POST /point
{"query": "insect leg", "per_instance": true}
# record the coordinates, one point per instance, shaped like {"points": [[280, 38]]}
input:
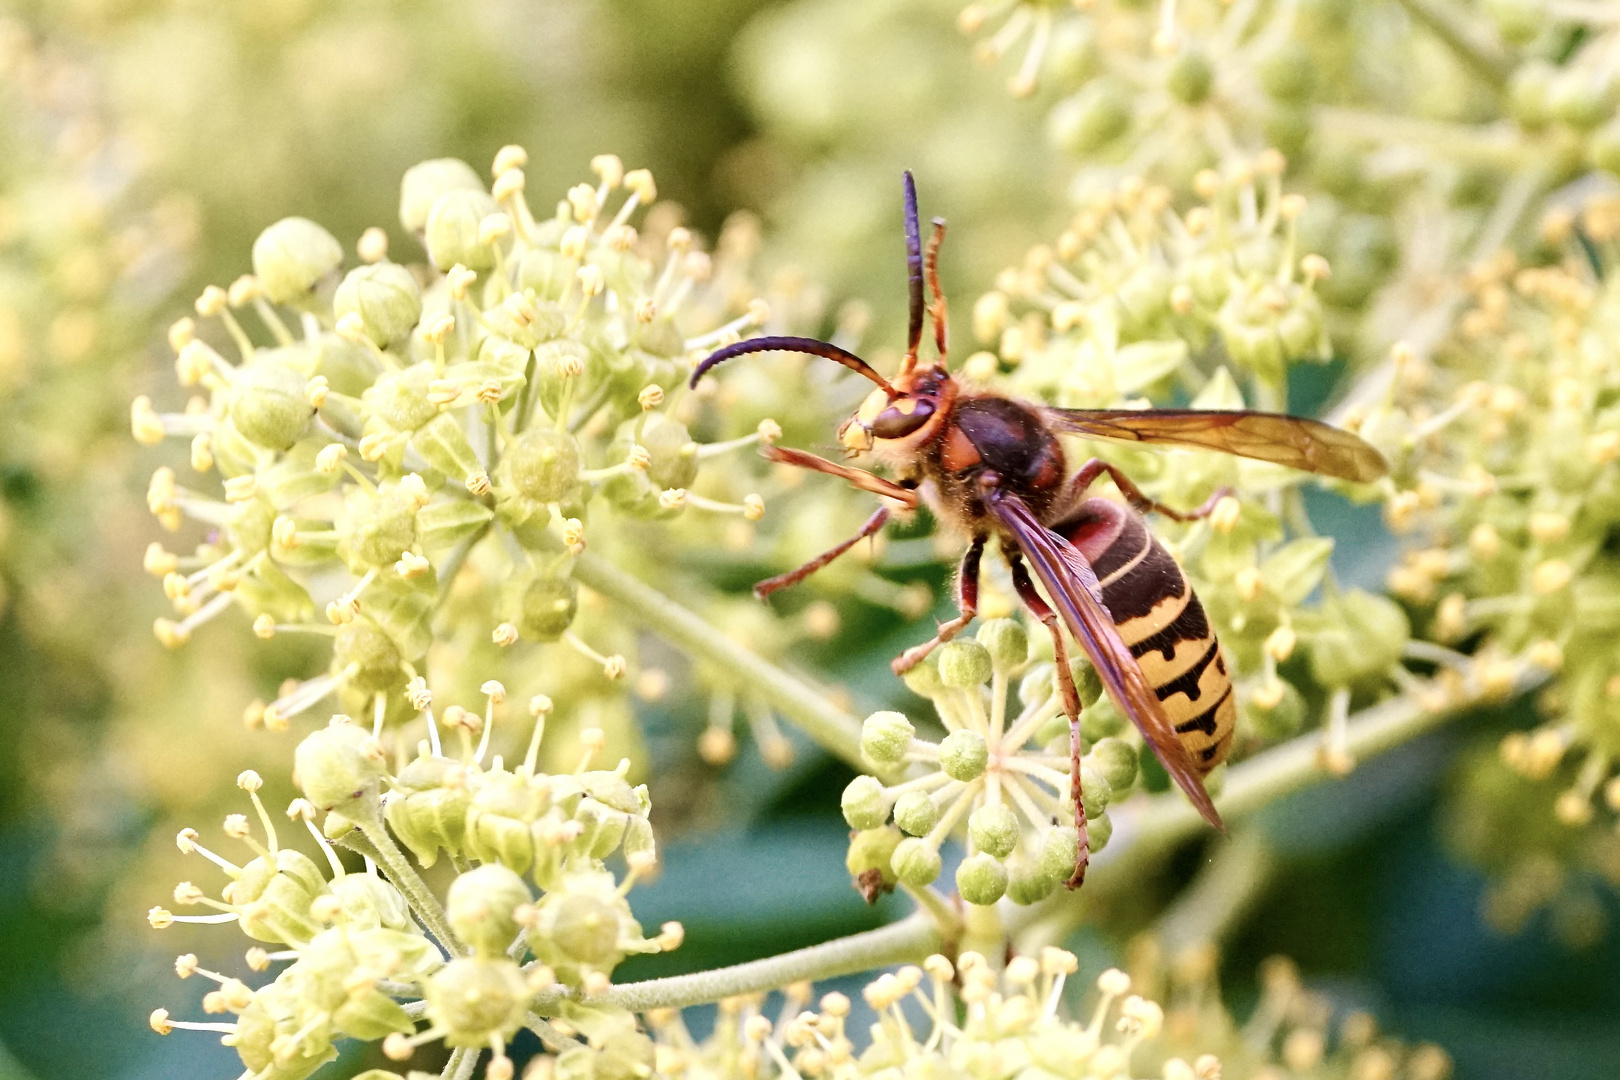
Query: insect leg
{"points": [[857, 477], [1096, 467], [793, 577], [1071, 706], [967, 604], [936, 309]]}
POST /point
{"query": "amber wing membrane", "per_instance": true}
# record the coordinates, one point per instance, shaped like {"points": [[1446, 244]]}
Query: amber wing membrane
{"points": [[1075, 592], [1286, 440]]}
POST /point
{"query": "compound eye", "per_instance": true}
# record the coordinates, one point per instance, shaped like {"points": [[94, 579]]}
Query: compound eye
{"points": [[902, 418]]}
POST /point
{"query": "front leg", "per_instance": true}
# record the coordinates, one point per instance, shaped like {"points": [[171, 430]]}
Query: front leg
{"points": [[1071, 706], [793, 577], [967, 605], [857, 477], [1096, 467]]}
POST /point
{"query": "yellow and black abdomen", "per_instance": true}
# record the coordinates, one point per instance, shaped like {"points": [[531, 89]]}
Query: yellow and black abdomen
{"points": [[1160, 618]]}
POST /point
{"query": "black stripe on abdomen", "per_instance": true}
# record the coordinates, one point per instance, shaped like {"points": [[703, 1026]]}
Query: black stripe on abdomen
{"points": [[1204, 722], [1187, 681], [1191, 625], [1156, 577]]}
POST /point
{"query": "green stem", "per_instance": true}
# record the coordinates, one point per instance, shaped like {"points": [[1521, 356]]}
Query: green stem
{"points": [[835, 729], [375, 843], [1464, 39], [463, 1059], [552, 1039], [909, 940], [1224, 891], [1498, 146]]}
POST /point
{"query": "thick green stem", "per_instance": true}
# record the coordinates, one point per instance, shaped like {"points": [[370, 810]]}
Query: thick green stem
{"points": [[837, 730], [461, 1064], [375, 843], [910, 939], [1224, 891], [552, 1039]]}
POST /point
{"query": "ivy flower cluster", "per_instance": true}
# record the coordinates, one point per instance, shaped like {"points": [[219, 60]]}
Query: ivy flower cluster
{"points": [[1136, 298], [369, 955], [403, 421], [971, 1018], [1508, 493], [1000, 775]]}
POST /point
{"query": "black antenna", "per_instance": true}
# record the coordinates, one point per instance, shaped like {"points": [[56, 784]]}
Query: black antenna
{"points": [[914, 269], [793, 344]]}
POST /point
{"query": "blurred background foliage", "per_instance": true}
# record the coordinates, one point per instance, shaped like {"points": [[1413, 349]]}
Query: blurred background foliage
{"points": [[143, 145]]}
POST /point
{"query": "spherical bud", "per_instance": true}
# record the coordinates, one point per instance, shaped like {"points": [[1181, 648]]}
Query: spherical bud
{"points": [[963, 755], [292, 256], [1056, 851], [1115, 761], [916, 862], [475, 998], [385, 298], [425, 182], [923, 679], [453, 233], [1006, 641], [1190, 77], [1090, 119], [582, 926], [993, 828], [1099, 830], [268, 404], [915, 813], [480, 908], [339, 764], [885, 738], [1028, 881], [981, 879], [871, 853], [964, 663], [1095, 790], [542, 606], [542, 464], [865, 803]]}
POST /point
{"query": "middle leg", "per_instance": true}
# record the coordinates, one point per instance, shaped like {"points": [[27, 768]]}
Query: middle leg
{"points": [[793, 577], [1071, 706], [967, 605], [1096, 467]]}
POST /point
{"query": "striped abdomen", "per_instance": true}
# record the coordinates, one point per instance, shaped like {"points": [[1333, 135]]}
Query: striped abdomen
{"points": [[1162, 622]]}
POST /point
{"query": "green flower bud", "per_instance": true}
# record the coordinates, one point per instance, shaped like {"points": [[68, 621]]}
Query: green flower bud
{"points": [[500, 817], [268, 405], [923, 680], [378, 526], [373, 654], [1530, 93], [1101, 719], [1028, 882], [916, 862], [274, 897], [1074, 55], [915, 813], [370, 903], [1278, 721], [453, 226], [1580, 100], [611, 789], [398, 400], [1361, 636], [1056, 851], [542, 464], [386, 298], [993, 828], [339, 765], [1091, 119], [981, 879], [1099, 830], [674, 461], [1007, 642], [1289, 72], [865, 803], [277, 1010], [870, 860], [292, 256], [425, 182], [541, 605], [480, 908], [1115, 760], [583, 926], [885, 738], [639, 838], [963, 755], [1037, 685], [1087, 683], [1094, 791], [1190, 77], [473, 998], [1300, 328], [603, 828], [964, 663]]}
